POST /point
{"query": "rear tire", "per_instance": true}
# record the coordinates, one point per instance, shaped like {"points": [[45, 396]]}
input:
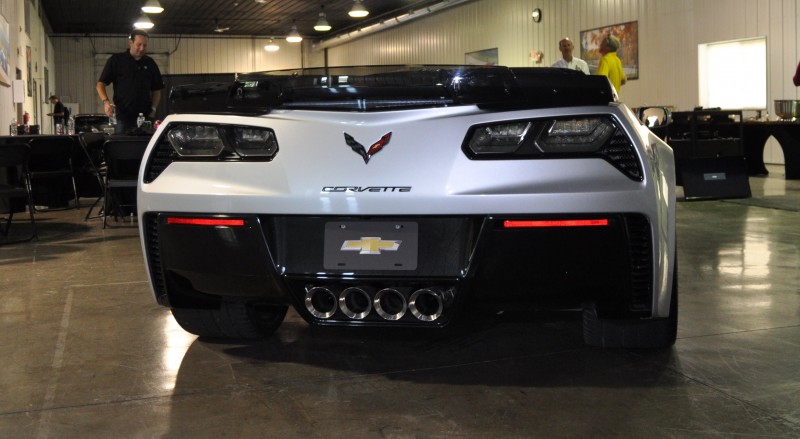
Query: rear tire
{"points": [[238, 320], [633, 333]]}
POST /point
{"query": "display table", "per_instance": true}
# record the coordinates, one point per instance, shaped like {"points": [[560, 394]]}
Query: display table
{"points": [[787, 134], [709, 154]]}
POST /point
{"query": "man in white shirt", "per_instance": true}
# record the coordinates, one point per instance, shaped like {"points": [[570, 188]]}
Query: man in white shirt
{"points": [[568, 61]]}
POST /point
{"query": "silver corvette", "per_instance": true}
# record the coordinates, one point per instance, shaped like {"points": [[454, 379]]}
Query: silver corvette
{"points": [[397, 195]]}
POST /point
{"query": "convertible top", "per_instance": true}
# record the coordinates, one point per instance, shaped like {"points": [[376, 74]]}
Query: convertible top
{"points": [[381, 88]]}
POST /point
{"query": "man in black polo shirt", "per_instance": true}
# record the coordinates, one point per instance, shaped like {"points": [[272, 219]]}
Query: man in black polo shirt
{"points": [[137, 83]]}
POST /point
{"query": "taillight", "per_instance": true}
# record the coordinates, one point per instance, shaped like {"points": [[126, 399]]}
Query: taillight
{"points": [[529, 224], [230, 142], [254, 142], [587, 134], [189, 221], [592, 136], [195, 140], [498, 139]]}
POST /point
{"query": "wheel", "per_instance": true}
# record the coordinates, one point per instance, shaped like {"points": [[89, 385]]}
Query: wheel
{"points": [[633, 333], [233, 320]]}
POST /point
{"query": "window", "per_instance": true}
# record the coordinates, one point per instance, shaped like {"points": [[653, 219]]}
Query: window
{"points": [[733, 74]]}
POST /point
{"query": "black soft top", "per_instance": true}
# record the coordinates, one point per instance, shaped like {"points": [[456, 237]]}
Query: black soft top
{"points": [[381, 88]]}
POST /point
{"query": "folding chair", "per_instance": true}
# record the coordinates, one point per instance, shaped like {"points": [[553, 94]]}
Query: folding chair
{"points": [[123, 156], [51, 157], [92, 146], [14, 159]]}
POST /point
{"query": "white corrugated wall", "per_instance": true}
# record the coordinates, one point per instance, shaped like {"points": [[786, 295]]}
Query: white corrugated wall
{"points": [[80, 58], [669, 32]]}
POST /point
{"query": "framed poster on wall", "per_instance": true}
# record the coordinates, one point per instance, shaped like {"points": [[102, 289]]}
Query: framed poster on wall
{"points": [[5, 53], [29, 60], [628, 52], [486, 57]]}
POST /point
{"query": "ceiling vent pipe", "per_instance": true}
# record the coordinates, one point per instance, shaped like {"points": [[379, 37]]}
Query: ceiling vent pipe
{"points": [[386, 24]]}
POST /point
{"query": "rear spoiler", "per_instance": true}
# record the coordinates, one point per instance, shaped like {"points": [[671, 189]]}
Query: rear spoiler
{"points": [[389, 88]]}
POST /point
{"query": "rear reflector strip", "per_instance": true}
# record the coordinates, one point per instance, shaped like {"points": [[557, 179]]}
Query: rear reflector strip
{"points": [[206, 221], [528, 224]]}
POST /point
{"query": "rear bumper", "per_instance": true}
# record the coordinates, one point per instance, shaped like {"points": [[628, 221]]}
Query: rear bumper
{"points": [[281, 259]]}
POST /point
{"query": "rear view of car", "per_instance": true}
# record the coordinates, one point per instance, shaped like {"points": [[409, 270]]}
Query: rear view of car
{"points": [[395, 196]]}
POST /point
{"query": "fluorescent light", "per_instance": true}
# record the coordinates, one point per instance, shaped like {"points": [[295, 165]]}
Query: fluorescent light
{"points": [[143, 22], [152, 7], [358, 10], [294, 36], [272, 47]]}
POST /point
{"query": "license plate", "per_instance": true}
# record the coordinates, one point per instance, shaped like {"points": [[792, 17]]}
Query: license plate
{"points": [[370, 245]]}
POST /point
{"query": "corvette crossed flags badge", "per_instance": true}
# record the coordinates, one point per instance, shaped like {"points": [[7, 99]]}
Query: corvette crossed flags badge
{"points": [[365, 153]]}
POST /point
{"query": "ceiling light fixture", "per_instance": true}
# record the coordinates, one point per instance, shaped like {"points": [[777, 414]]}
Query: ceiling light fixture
{"points": [[152, 7], [358, 10], [294, 35], [322, 23], [218, 29], [271, 46], [143, 22]]}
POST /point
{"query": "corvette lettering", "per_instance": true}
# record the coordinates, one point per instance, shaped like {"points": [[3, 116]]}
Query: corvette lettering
{"points": [[366, 189]]}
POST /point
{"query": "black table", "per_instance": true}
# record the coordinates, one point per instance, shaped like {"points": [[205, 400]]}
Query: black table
{"points": [[58, 195], [52, 194], [5, 140], [787, 134]]}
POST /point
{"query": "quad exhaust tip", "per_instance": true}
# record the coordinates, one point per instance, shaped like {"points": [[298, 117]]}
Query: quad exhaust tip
{"points": [[390, 304], [427, 304], [321, 302], [357, 302]]}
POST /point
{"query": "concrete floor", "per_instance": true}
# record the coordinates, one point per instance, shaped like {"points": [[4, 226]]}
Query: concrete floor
{"points": [[86, 353]]}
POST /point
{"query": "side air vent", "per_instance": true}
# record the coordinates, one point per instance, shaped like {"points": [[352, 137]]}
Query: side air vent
{"points": [[154, 256], [620, 152], [641, 256], [161, 157]]}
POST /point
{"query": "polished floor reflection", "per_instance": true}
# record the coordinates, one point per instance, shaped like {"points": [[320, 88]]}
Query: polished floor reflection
{"points": [[86, 353]]}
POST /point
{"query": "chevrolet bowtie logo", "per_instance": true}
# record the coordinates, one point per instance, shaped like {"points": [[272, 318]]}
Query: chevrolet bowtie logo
{"points": [[369, 245]]}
